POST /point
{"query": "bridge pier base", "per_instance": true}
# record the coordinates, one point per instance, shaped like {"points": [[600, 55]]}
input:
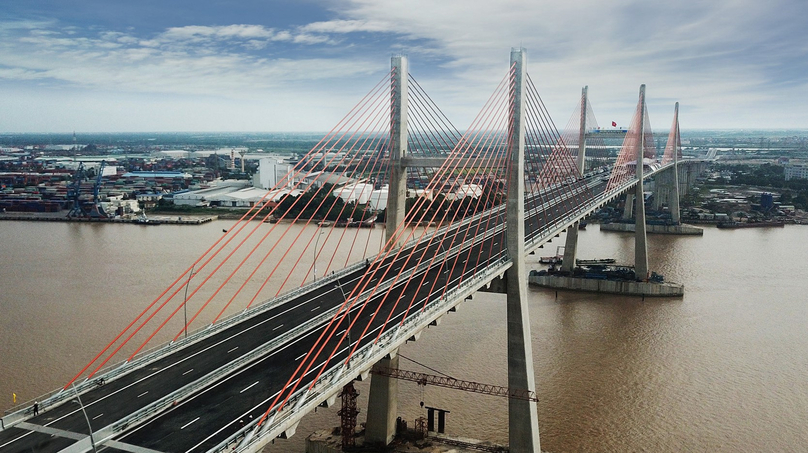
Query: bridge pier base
{"points": [[382, 405]]}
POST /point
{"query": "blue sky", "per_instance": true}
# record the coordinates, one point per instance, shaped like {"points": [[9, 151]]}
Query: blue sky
{"points": [[263, 65]]}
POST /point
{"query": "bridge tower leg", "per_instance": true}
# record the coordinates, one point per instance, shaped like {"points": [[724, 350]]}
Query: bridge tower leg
{"points": [[571, 246], [382, 405], [523, 421], [640, 238], [674, 202], [397, 190]]}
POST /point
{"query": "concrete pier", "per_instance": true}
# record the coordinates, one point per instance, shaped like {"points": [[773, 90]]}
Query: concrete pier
{"points": [[382, 406], [628, 208]]}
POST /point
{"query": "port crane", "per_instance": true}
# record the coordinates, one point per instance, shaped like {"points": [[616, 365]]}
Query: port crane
{"points": [[74, 194]]}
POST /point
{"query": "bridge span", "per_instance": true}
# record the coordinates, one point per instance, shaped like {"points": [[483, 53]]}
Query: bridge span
{"points": [[265, 366]]}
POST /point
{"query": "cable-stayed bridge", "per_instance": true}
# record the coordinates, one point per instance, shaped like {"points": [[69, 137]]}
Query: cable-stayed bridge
{"points": [[279, 338]]}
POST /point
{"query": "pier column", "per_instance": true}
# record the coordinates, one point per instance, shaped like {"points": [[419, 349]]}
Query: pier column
{"points": [[674, 203], [523, 421], [640, 238], [571, 244], [692, 173], [628, 207], [397, 191], [382, 405], [659, 188]]}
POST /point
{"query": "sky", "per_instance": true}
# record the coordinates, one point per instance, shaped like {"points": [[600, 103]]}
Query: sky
{"points": [[301, 65]]}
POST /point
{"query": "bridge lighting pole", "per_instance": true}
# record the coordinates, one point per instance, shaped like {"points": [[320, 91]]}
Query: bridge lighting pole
{"points": [[523, 423], [78, 400], [571, 245], [314, 258], [640, 238], [185, 301]]}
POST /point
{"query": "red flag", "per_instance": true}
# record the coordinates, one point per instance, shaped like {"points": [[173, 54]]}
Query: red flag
{"points": [[614, 124]]}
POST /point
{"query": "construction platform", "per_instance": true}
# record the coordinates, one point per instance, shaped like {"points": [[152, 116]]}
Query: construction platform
{"points": [[684, 230], [330, 441], [595, 285]]}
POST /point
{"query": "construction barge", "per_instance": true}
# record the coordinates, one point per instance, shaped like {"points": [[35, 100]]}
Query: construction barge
{"points": [[753, 224], [609, 279], [654, 228]]}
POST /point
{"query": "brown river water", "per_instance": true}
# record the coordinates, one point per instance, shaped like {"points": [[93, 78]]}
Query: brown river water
{"points": [[725, 368]]}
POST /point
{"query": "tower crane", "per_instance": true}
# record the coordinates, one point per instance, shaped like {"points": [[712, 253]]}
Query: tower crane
{"points": [[348, 413]]}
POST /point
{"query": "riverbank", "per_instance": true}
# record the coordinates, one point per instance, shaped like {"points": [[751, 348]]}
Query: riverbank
{"points": [[62, 217]]}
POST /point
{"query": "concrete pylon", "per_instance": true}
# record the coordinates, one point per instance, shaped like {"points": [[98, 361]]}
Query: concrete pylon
{"points": [[640, 238], [382, 405], [571, 244], [523, 419], [383, 396], [397, 193], [674, 202]]}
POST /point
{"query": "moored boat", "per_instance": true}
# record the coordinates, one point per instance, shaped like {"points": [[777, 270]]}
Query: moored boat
{"points": [[595, 262], [762, 224]]}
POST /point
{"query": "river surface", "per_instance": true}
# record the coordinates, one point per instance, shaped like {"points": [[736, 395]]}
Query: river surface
{"points": [[725, 368]]}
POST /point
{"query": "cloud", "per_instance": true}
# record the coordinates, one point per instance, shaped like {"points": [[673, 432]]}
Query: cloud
{"points": [[704, 52], [347, 26], [205, 60], [724, 60]]}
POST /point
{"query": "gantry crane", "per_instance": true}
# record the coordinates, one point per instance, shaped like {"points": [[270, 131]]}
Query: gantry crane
{"points": [[74, 194]]}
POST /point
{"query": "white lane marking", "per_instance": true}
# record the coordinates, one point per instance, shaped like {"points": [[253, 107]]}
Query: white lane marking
{"points": [[277, 327], [232, 350], [97, 416], [249, 387], [143, 393], [315, 308], [342, 332], [187, 371], [301, 356], [189, 423]]}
